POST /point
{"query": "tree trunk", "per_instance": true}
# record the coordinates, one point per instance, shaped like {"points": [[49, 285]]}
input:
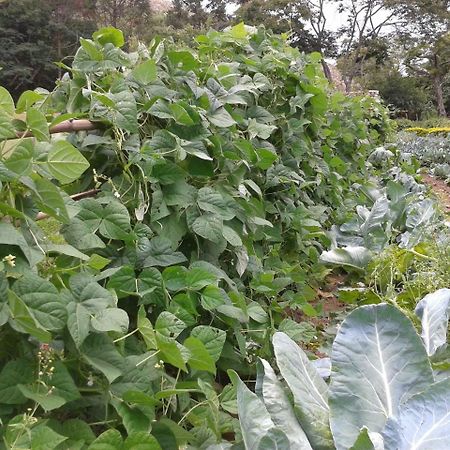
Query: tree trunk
{"points": [[327, 71], [437, 82]]}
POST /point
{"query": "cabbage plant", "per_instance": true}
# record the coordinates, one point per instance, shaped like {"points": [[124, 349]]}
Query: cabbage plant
{"points": [[382, 394]]}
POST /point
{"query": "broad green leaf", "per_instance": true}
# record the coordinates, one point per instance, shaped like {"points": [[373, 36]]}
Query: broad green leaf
{"points": [[279, 407], [392, 366], [238, 31], [133, 419], [212, 338], [209, 226], [109, 35], [145, 72], [99, 351], [65, 162], [65, 249], [183, 60], [111, 319], [78, 234], [26, 100], [254, 418], [18, 371], [160, 253], [49, 200], [180, 114], [169, 325], [6, 102], [22, 320], [40, 394], [108, 440], [37, 123], [141, 441], [309, 391], [231, 236], [197, 278], [64, 385], [256, 129], [172, 352], [44, 438], [42, 300], [353, 257], [115, 221], [146, 330], [423, 422], [20, 161], [221, 118], [78, 322], [200, 358], [433, 311], [213, 201], [213, 297]]}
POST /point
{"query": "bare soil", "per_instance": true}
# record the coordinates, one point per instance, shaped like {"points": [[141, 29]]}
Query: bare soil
{"points": [[440, 188]]}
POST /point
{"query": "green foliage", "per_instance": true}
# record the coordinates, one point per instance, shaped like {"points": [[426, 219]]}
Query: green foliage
{"points": [[206, 189], [386, 377]]}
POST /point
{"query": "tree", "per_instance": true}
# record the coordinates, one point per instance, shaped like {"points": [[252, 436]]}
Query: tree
{"points": [[33, 35], [131, 16], [366, 21], [425, 38]]}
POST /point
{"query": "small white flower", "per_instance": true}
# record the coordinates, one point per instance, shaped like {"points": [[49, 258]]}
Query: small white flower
{"points": [[10, 260], [116, 194]]}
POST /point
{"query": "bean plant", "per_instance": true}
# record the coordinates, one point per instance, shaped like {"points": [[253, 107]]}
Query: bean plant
{"points": [[157, 240]]}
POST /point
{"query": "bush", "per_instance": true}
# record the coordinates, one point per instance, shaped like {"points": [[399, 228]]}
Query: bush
{"points": [[193, 209]]}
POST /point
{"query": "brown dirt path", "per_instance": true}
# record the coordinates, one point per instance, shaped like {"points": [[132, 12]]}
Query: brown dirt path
{"points": [[440, 188]]}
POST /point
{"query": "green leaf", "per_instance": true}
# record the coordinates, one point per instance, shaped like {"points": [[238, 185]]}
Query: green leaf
{"points": [[23, 321], [111, 319], [20, 160], [108, 440], [65, 162], [254, 418], [18, 371], [309, 391], [183, 60], [133, 420], [99, 351], [141, 441], [279, 407], [180, 114], [256, 129], [160, 253], [172, 352], [169, 325], [353, 257], [231, 236], [37, 123], [221, 118], [146, 330], [6, 102], [42, 300], [212, 297], [109, 35], [97, 262], [209, 227], [197, 278], [115, 222], [146, 72], [365, 441], [434, 310], [63, 383], [392, 366], [44, 438], [212, 201], [49, 200], [212, 338], [423, 421], [40, 394], [238, 31], [78, 322], [200, 358]]}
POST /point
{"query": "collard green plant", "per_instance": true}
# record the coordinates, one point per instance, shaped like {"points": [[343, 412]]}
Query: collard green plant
{"points": [[383, 393], [157, 242]]}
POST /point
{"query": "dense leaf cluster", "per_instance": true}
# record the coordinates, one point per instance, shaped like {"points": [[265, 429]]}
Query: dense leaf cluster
{"points": [[211, 178]]}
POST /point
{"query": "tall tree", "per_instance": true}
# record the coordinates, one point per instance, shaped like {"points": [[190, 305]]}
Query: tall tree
{"points": [[33, 35], [367, 20]]}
